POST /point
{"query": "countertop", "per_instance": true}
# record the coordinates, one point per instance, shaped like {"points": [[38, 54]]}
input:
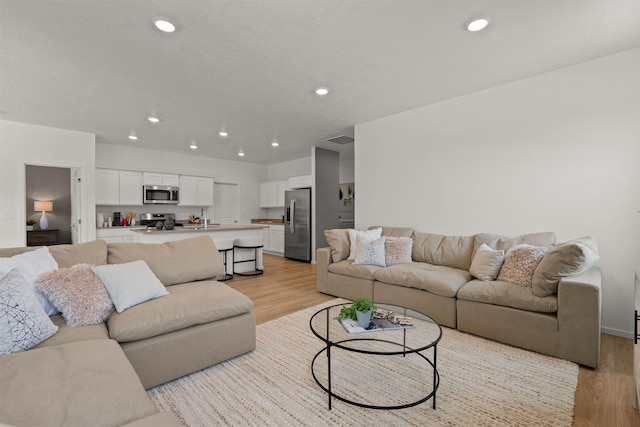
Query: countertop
{"points": [[200, 228], [274, 221]]}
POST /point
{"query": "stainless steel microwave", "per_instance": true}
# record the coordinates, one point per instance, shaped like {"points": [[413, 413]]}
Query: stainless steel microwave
{"points": [[160, 194]]}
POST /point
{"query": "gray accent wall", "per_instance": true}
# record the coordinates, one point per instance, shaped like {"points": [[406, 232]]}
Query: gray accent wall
{"points": [[50, 184], [326, 174]]}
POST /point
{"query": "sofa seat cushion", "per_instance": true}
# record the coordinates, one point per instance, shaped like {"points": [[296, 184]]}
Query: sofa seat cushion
{"points": [[84, 383], [68, 333], [508, 295], [437, 279], [348, 268], [186, 305]]}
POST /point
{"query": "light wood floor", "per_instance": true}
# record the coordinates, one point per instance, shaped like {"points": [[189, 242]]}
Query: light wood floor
{"points": [[605, 396]]}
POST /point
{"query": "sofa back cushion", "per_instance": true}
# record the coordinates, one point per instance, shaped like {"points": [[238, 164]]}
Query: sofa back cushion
{"points": [[394, 231], [564, 260], [495, 241], [181, 261], [94, 253], [9, 252], [450, 251]]}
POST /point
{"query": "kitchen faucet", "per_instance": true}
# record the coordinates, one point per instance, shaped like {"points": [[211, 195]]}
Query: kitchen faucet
{"points": [[203, 214]]}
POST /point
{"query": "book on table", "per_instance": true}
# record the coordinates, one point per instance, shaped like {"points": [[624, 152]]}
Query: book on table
{"points": [[376, 325]]}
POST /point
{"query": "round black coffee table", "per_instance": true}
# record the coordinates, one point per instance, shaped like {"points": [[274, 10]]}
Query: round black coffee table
{"points": [[379, 369]]}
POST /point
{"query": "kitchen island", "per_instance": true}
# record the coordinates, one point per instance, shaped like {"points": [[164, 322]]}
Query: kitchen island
{"points": [[219, 233]]}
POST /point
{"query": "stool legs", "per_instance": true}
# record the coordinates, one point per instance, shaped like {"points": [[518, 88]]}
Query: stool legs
{"points": [[256, 270], [227, 276]]}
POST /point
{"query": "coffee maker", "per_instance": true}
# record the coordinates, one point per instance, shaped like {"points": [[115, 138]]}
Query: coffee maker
{"points": [[116, 219]]}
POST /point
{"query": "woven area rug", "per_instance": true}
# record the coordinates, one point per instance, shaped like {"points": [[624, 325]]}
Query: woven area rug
{"points": [[482, 383]]}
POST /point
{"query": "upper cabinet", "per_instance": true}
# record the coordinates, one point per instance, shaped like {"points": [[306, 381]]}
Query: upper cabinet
{"points": [[272, 193], [153, 178], [301, 181], [115, 187], [196, 191]]}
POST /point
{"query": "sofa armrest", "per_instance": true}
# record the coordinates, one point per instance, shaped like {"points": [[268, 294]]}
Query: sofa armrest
{"points": [[579, 316], [323, 259]]}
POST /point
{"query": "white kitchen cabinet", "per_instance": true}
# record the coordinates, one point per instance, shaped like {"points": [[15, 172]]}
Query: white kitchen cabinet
{"points": [[115, 187], [268, 194], [281, 187], [130, 188], [273, 239], [115, 234], [301, 181], [196, 191], [107, 187], [154, 178]]}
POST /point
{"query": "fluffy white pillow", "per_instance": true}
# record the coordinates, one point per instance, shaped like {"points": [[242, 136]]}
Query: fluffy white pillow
{"points": [[23, 322], [486, 263], [370, 252], [130, 284], [32, 264], [368, 235], [397, 250], [77, 293]]}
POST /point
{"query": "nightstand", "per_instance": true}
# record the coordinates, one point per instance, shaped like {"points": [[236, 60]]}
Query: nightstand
{"points": [[43, 237]]}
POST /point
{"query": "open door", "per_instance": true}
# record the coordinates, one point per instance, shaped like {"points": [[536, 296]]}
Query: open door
{"points": [[76, 206]]}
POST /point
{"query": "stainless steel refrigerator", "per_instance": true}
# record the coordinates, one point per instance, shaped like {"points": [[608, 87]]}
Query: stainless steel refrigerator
{"points": [[297, 224]]}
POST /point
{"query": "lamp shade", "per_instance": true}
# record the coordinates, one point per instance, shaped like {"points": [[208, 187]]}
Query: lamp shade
{"points": [[43, 206]]}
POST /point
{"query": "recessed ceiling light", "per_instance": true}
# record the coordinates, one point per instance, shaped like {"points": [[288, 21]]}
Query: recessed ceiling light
{"points": [[133, 137], [164, 25], [153, 119], [275, 143], [478, 24], [193, 145], [223, 133], [322, 91], [241, 153]]}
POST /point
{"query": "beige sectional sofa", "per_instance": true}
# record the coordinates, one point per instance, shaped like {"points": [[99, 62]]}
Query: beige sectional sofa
{"points": [[96, 375], [564, 321]]}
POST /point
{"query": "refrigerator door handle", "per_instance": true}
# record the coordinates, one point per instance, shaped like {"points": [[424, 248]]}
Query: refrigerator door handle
{"points": [[292, 209]]}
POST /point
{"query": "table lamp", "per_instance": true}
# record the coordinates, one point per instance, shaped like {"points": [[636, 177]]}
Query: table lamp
{"points": [[44, 207]]}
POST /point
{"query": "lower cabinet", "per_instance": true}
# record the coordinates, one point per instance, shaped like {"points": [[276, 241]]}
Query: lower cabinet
{"points": [[114, 235], [273, 239]]}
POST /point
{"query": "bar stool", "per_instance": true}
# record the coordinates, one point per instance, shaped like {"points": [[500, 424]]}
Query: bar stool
{"points": [[247, 243], [224, 248]]}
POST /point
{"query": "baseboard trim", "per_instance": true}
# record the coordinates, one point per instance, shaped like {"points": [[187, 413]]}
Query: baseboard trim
{"points": [[617, 332]]}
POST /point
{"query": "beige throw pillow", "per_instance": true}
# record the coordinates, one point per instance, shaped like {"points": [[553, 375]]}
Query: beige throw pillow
{"points": [[520, 264], [564, 260], [338, 240], [486, 263]]}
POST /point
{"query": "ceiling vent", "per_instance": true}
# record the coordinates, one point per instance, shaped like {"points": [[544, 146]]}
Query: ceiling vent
{"points": [[342, 139]]}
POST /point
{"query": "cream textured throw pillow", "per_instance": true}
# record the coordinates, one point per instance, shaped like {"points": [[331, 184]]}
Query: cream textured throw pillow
{"points": [[368, 235], [397, 250], [130, 284], [31, 265], [370, 252], [77, 293], [486, 263], [23, 322], [520, 263], [338, 240]]}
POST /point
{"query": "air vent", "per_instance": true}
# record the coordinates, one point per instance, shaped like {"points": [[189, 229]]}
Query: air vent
{"points": [[342, 139]]}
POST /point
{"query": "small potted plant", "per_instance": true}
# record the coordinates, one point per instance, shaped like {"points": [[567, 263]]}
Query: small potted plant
{"points": [[169, 223], [361, 310], [30, 224]]}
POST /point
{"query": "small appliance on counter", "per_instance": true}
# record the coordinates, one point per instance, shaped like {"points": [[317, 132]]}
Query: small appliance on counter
{"points": [[151, 219], [117, 221]]}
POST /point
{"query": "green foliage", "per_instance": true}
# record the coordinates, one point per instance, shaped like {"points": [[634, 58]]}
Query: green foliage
{"points": [[31, 222], [361, 304]]}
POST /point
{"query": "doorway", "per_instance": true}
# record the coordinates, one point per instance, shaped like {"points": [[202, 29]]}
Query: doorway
{"points": [[225, 203], [61, 187]]}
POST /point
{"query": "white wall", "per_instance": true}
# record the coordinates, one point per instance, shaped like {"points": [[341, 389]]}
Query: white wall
{"points": [[24, 144], [347, 171], [558, 152], [283, 170], [247, 175]]}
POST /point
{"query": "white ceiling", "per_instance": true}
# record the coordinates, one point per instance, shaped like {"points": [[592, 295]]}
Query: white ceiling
{"points": [[251, 66]]}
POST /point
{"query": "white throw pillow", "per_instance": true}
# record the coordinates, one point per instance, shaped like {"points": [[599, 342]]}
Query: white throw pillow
{"points": [[368, 235], [370, 252], [32, 264], [130, 284], [23, 322], [486, 263]]}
